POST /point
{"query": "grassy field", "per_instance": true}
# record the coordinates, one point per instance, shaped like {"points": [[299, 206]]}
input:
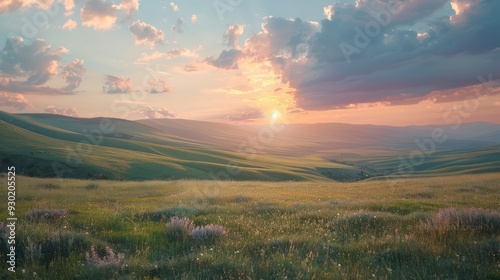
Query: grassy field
{"points": [[432, 228]]}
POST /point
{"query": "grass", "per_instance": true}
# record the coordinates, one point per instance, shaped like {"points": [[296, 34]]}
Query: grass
{"points": [[432, 228]]}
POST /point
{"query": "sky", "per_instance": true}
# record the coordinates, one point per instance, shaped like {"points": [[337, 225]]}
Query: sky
{"points": [[385, 62]]}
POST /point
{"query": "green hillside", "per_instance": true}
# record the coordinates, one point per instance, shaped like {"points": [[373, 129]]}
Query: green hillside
{"points": [[133, 151], [45, 145]]}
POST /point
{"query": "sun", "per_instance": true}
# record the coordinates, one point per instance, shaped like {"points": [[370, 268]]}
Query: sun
{"points": [[275, 115]]}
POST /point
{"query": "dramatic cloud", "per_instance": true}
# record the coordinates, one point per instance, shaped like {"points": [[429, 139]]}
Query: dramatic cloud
{"points": [[70, 112], [167, 55], [99, 14], [69, 25], [232, 34], [246, 116], [154, 113], [117, 84], [72, 73], [146, 34], [27, 68], [368, 52], [7, 6], [349, 62], [177, 27], [17, 101]]}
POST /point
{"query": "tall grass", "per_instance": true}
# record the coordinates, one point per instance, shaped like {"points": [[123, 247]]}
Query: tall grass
{"points": [[423, 229]]}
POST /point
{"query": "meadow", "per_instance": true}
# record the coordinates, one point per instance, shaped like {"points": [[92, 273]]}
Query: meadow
{"points": [[432, 228]]}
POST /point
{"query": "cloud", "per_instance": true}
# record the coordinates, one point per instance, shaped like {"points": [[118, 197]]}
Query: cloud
{"points": [[177, 27], [157, 113], [99, 14], [72, 73], [69, 6], [158, 86], [194, 18], [398, 65], [146, 34], [69, 25], [117, 84], [70, 112], [26, 68], [174, 6], [232, 34], [228, 59], [129, 7], [174, 53], [246, 116], [8, 6], [38, 61], [17, 101], [402, 12], [371, 53]]}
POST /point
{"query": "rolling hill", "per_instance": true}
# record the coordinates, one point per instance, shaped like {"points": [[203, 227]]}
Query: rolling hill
{"points": [[48, 145]]}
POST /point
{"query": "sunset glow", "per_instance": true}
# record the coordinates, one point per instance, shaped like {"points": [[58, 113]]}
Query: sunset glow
{"points": [[312, 61]]}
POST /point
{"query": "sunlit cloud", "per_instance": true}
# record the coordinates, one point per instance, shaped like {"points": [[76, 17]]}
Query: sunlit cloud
{"points": [[146, 34], [99, 14], [27, 68], [157, 113], [174, 6], [232, 34], [70, 112], [8, 6], [117, 84], [16, 101], [69, 25]]}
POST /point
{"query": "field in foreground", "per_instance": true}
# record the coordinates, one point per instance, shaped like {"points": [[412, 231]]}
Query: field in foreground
{"points": [[432, 228]]}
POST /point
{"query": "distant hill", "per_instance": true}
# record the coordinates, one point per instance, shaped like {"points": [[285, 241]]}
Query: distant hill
{"points": [[48, 145]]}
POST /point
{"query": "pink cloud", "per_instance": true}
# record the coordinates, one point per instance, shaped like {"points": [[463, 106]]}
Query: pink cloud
{"points": [[69, 25], [157, 113], [158, 86], [7, 6], [17, 101], [146, 34], [117, 84], [232, 34], [72, 73], [174, 6], [27, 68], [71, 112], [99, 15]]}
